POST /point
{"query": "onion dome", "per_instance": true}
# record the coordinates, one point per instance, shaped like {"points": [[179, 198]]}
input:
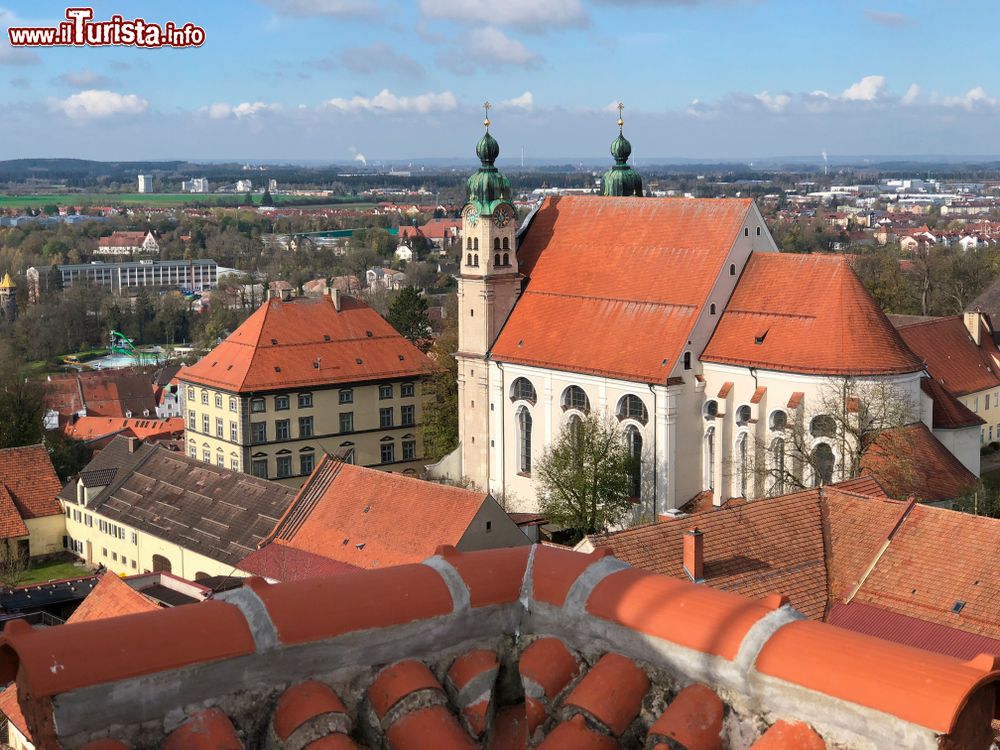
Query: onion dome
{"points": [[487, 188], [621, 179]]}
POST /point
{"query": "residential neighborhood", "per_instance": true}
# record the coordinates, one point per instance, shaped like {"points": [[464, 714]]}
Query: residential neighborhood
{"points": [[521, 376]]}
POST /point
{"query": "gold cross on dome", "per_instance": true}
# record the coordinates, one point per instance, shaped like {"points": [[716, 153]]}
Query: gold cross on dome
{"points": [[620, 120], [486, 108]]}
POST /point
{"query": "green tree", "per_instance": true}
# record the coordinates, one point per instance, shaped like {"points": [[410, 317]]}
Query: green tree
{"points": [[408, 314], [21, 403], [266, 199], [68, 456], [584, 478], [440, 415]]}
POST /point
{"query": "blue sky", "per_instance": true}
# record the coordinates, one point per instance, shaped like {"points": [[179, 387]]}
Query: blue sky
{"points": [[326, 80]]}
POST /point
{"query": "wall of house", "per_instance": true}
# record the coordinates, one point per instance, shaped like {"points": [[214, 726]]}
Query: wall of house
{"points": [[548, 418], [986, 404], [134, 553], [16, 740], [45, 534], [780, 387], [227, 412], [964, 444], [491, 528]]}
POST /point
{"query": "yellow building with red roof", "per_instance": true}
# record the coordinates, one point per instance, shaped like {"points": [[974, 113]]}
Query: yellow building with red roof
{"points": [[301, 377]]}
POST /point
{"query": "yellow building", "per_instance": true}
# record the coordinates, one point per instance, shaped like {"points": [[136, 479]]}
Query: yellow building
{"points": [[301, 377], [31, 520], [140, 507]]}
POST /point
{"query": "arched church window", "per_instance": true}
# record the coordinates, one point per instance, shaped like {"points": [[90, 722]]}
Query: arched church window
{"points": [[524, 440], [468, 259], [711, 309], [823, 462], [496, 260], [823, 426], [743, 415], [778, 466], [779, 420], [687, 360], [496, 243], [631, 407], [506, 259], [506, 244], [468, 243], [575, 398], [711, 410], [742, 462], [475, 243], [522, 390], [633, 439], [475, 259], [710, 458], [732, 269]]}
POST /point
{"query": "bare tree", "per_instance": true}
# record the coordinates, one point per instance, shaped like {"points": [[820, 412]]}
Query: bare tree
{"points": [[852, 425]]}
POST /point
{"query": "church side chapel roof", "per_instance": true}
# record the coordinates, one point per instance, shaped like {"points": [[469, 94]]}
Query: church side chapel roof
{"points": [[616, 284], [490, 649], [807, 314]]}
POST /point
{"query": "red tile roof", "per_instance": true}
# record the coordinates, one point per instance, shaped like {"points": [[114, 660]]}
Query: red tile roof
{"points": [[811, 314], [111, 597], [353, 515], [91, 429], [952, 357], [911, 461], [281, 344], [11, 523], [935, 559], [948, 412], [306, 629], [754, 548], [602, 265], [122, 239], [282, 562], [31, 480], [911, 631]]}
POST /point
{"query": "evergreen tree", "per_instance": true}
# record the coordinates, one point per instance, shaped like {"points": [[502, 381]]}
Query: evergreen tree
{"points": [[408, 314], [266, 199]]}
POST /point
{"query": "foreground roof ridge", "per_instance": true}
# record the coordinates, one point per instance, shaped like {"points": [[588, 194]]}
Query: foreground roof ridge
{"points": [[854, 689]]}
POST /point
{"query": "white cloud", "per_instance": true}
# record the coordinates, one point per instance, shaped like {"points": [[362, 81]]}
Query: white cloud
{"points": [[386, 102], [334, 8], [910, 97], [492, 46], [221, 110], [776, 103], [17, 56], [527, 15], [95, 103], [524, 101], [379, 57], [868, 89], [975, 98]]}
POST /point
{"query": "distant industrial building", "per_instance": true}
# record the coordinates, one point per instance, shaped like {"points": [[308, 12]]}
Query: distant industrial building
{"points": [[145, 183], [244, 186], [193, 275], [195, 185]]}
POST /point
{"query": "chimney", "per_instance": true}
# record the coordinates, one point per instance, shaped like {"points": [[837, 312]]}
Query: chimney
{"points": [[694, 557], [133, 446], [335, 296], [974, 324]]}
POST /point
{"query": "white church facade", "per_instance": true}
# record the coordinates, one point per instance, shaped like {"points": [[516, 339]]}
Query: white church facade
{"points": [[676, 317]]}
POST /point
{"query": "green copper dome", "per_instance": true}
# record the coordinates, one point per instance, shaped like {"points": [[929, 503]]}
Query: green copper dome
{"points": [[488, 187], [621, 179]]}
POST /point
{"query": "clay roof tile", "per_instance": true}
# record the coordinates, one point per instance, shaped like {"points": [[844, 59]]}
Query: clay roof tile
{"points": [[304, 702], [693, 720], [789, 735], [612, 692], [210, 729]]}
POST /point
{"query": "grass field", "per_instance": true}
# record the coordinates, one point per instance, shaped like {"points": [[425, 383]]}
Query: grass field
{"points": [[52, 571], [155, 200]]}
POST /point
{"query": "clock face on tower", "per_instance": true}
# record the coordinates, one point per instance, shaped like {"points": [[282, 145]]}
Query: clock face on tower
{"points": [[473, 217], [502, 217]]}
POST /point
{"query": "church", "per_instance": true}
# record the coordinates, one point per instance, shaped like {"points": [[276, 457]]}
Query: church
{"points": [[679, 319]]}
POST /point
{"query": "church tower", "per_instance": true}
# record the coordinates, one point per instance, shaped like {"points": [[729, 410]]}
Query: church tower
{"points": [[488, 287], [8, 299], [621, 179]]}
